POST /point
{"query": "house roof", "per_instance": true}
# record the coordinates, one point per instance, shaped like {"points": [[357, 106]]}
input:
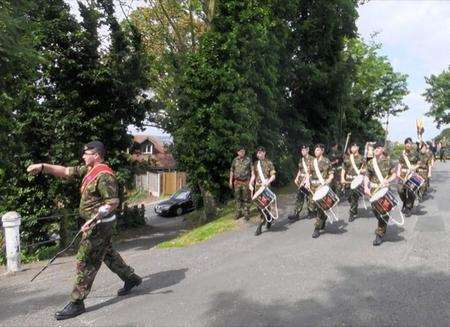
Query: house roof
{"points": [[159, 146]]}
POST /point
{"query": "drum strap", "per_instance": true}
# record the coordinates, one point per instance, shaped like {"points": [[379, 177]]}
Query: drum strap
{"points": [[377, 170], [352, 160], [408, 163], [305, 167], [260, 172], [317, 170]]}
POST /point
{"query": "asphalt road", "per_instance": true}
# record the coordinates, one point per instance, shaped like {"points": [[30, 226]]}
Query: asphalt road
{"points": [[281, 278]]}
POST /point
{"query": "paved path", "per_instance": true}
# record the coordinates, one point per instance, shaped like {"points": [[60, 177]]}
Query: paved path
{"points": [[281, 278]]}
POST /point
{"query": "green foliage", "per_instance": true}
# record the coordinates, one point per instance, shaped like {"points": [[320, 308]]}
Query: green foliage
{"points": [[73, 92], [438, 94], [133, 216], [376, 90]]}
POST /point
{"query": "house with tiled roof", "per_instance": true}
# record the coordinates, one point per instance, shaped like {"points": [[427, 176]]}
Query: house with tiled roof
{"points": [[159, 176], [152, 150]]}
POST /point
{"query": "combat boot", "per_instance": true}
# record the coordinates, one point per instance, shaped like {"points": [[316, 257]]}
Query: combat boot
{"points": [[378, 240], [259, 229], [316, 233], [351, 218], [72, 309], [134, 281]]}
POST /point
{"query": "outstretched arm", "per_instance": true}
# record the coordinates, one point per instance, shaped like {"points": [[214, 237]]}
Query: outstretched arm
{"points": [[45, 168]]}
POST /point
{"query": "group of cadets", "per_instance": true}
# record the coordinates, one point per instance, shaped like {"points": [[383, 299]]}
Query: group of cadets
{"points": [[338, 172]]}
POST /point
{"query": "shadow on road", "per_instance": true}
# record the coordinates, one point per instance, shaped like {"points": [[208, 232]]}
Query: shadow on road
{"points": [[365, 296], [150, 284]]}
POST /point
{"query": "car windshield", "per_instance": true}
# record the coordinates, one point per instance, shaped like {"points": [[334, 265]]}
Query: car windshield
{"points": [[180, 195]]}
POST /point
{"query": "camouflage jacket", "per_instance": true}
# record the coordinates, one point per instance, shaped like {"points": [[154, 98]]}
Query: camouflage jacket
{"points": [[385, 166], [241, 168], [348, 167], [308, 158], [325, 168], [103, 190], [413, 159], [424, 161], [268, 169], [335, 155]]}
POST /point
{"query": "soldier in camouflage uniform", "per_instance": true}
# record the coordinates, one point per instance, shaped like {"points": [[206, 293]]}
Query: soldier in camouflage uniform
{"points": [[407, 163], [240, 173], [349, 173], [268, 170], [424, 164], [327, 172], [387, 176], [300, 181], [99, 200], [335, 159]]}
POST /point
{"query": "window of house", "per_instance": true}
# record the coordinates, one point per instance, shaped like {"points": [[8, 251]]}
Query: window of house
{"points": [[148, 148]]}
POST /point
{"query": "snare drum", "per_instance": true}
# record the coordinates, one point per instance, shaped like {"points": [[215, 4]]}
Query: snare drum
{"points": [[383, 201], [325, 198], [357, 185], [414, 181], [263, 197]]}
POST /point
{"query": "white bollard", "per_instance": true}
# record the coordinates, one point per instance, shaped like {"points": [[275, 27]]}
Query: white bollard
{"points": [[11, 224]]}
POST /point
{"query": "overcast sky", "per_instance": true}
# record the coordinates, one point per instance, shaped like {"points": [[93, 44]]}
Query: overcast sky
{"points": [[416, 38]]}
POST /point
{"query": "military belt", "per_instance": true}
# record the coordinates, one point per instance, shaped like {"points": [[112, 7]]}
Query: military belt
{"points": [[107, 220]]}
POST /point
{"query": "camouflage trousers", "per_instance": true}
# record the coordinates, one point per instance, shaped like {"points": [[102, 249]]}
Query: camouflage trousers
{"points": [[316, 211], [424, 188], [95, 248], [300, 201], [353, 198], [407, 196], [382, 225], [242, 198]]}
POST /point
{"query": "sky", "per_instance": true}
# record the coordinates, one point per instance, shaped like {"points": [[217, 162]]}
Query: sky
{"points": [[416, 39], [415, 36]]}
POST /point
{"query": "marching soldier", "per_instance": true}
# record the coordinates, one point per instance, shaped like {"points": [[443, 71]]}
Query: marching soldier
{"points": [[99, 198], [263, 174], [352, 167], [424, 164], [240, 173], [407, 164], [335, 159], [300, 180], [321, 173], [380, 173]]}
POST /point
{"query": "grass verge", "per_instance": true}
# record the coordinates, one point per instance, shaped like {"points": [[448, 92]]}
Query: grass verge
{"points": [[225, 221]]}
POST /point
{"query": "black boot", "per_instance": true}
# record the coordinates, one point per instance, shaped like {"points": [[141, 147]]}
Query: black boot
{"points": [[378, 240], [259, 229], [316, 233], [351, 218], [403, 208], [268, 225], [408, 212], [72, 309], [134, 281], [293, 217]]}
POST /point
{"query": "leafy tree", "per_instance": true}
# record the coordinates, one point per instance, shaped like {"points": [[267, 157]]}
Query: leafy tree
{"points": [[320, 78], [376, 90], [79, 93], [438, 94]]}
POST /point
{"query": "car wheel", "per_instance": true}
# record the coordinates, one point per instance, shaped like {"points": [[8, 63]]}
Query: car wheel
{"points": [[179, 211]]}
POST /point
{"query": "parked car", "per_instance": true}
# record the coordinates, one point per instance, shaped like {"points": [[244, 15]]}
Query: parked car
{"points": [[180, 202]]}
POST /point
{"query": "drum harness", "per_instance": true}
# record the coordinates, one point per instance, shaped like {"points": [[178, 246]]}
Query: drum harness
{"points": [[380, 179], [322, 182]]}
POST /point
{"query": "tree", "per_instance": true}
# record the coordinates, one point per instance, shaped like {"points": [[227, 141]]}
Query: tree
{"points": [[78, 94], [438, 94], [376, 90], [319, 80]]}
